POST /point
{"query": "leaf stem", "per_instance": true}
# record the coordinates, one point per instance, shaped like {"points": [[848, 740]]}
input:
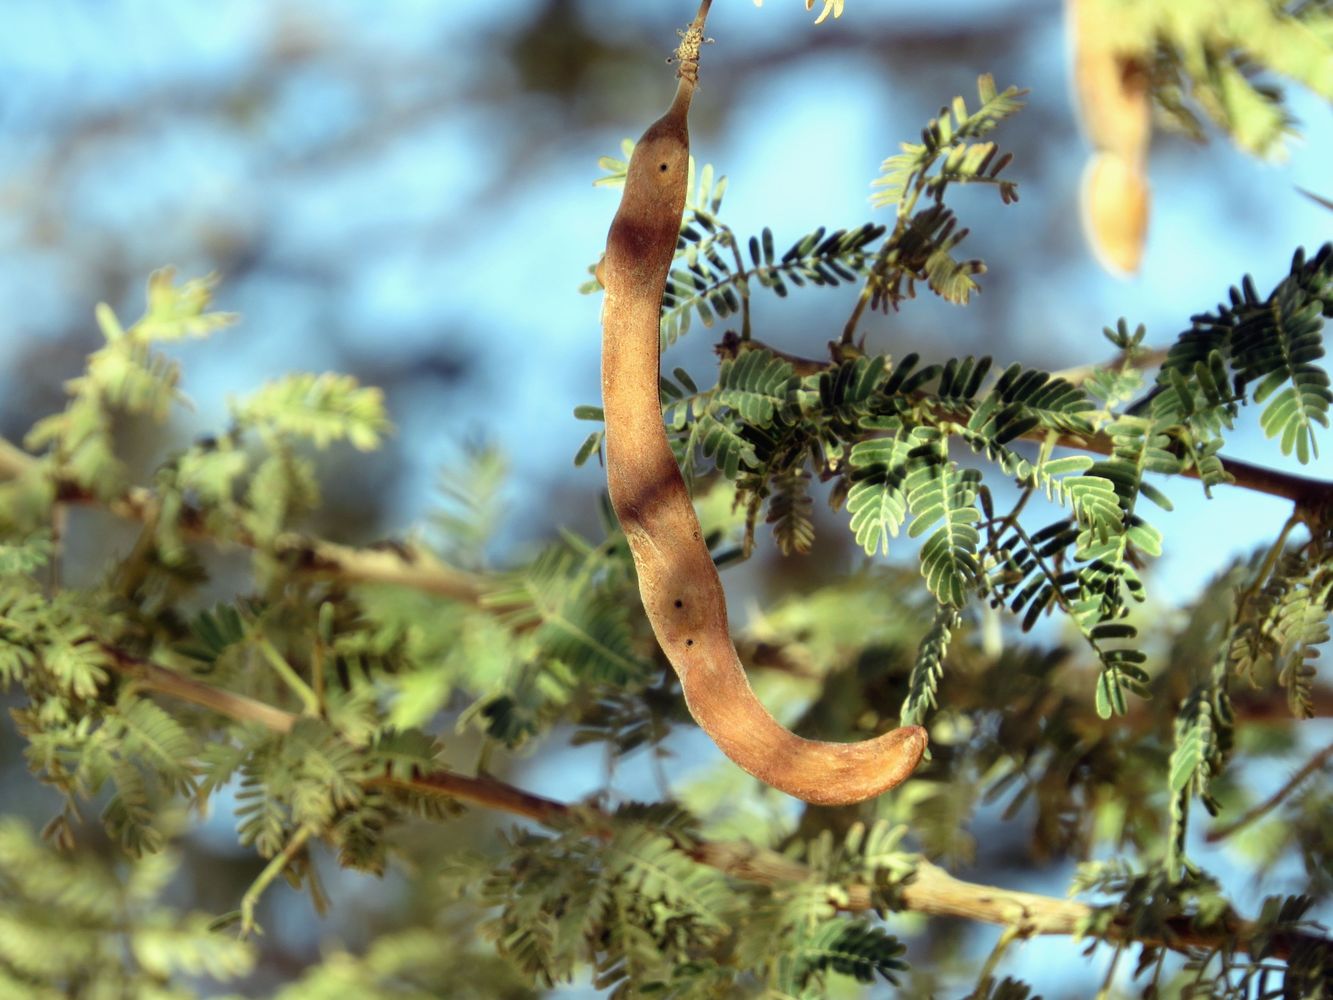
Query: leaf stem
{"points": [[1266, 567], [266, 878], [987, 976], [862, 300], [743, 285], [238, 707], [309, 700]]}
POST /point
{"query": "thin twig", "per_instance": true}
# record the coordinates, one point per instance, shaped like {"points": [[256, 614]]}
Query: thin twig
{"points": [[270, 873], [745, 292], [238, 707], [731, 346], [1312, 765], [304, 693], [862, 300]]}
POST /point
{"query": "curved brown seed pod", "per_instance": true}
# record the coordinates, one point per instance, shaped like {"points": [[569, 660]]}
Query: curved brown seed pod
{"points": [[677, 579], [1111, 90]]}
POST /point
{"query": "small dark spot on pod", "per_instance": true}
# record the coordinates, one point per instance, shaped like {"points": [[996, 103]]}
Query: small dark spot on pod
{"points": [[689, 642], [679, 603], [663, 168]]}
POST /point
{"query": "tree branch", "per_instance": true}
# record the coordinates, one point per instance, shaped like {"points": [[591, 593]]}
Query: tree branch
{"points": [[402, 565], [237, 707], [1299, 489], [933, 891]]}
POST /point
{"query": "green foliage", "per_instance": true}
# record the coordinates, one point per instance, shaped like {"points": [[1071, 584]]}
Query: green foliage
{"points": [[714, 281], [923, 240], [650, 919], [470, 508], [125, 375], [74, 927], [1281, 615], [1206, 59], [910, 471], [571, 607], [632, 913], [26, 556], [1152, 907], [929, 668], [852, 948], [1266, 344], [770, 431], [557, 640], [172, 313], [1202, 736], [411, 964], [321, 694], [869, 856], [319, 408], [303, 778], [950, 137], [711, 287]]}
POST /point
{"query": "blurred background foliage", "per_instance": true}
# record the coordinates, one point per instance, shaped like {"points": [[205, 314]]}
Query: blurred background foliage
{"points": [[403, 191]]}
